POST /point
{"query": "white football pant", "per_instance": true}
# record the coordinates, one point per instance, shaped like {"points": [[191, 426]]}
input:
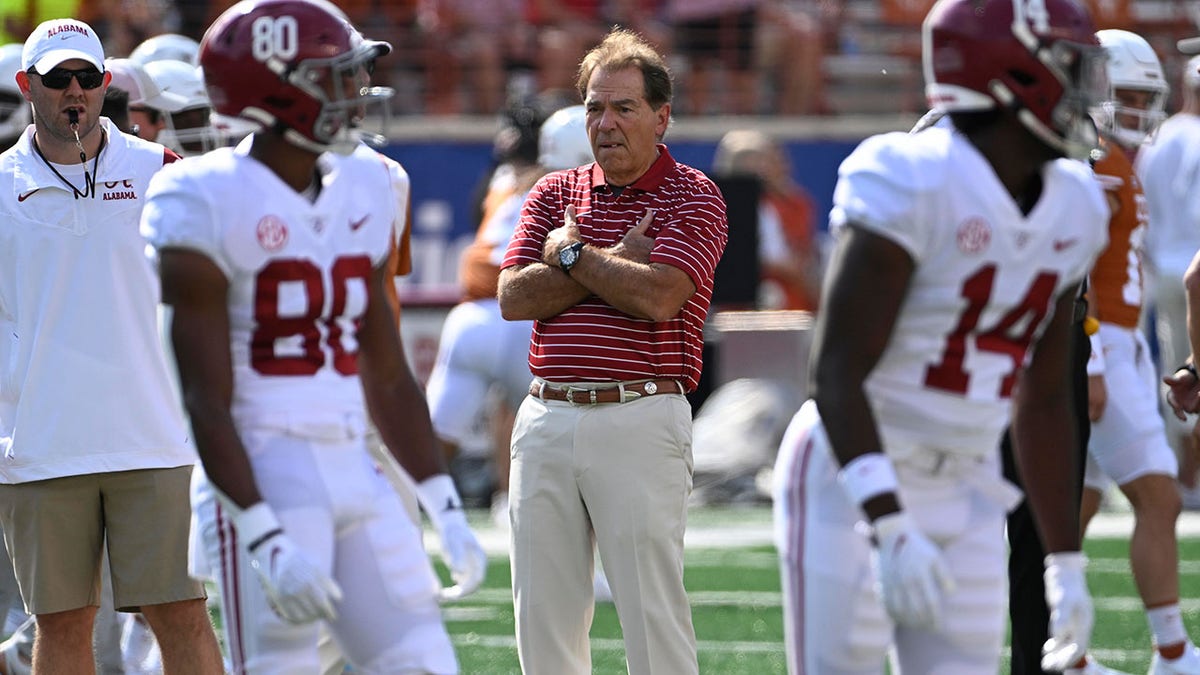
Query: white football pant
{"points": [[834, 620]]}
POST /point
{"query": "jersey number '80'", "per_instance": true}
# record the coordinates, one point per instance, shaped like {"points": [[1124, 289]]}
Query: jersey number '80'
{"points": [[292, 344]]}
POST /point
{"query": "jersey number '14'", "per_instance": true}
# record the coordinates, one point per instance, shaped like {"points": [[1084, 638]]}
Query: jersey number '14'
{"points": [[1011, 335], [304, 328]]}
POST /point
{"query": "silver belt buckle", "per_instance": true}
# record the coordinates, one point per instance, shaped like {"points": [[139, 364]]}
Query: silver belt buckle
{"points": [[571, 391], [650, 388]]}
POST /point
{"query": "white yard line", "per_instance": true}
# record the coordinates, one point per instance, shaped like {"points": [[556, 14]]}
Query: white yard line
{"points": [[1108, 656], [737, 528]]}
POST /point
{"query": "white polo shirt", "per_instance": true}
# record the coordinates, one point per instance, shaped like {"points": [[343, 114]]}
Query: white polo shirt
{"points": [[84, 385]]}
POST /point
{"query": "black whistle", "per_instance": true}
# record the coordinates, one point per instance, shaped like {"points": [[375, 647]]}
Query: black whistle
{"points": [[73, 116]]}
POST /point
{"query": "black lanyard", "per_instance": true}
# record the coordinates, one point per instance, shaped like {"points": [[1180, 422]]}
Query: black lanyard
{"points": [[89, 180]]}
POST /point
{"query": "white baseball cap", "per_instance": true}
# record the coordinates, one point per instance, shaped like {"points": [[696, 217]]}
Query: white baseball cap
{"points": [[58, 40]]}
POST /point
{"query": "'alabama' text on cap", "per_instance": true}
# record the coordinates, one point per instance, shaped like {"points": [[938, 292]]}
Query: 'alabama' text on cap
{"points": [[58, 40]]}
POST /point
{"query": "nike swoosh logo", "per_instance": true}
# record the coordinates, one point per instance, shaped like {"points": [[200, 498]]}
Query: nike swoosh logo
{"points": [[1064, 244], [355, 224], [27, 195]]}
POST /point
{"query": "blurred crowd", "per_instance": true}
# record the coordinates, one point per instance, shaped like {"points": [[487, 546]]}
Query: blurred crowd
{"points": [[469, 56], [732, 57]]}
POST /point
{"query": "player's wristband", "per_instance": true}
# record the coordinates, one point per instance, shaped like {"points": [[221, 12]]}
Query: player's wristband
{"points": [[256, 525], [1095, 364], [440, 499], [1190, 367], [887, 526], [868, 476]]}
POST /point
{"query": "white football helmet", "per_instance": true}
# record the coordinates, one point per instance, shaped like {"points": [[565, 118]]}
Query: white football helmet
{"points": [[15, 112], [168, 46], [563, 141], [189, 130], [1132, 65], [129, 75]]}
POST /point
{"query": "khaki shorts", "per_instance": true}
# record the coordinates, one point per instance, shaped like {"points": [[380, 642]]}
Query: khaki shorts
{"points": [[54, 530]]}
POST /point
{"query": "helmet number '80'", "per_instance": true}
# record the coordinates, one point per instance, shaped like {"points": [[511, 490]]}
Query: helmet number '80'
{"points": [[1036, 13], [274, 37]]}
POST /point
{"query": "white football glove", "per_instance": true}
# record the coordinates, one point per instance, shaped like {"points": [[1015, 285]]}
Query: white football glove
{"points": [[1071, 613], [460, 549], [911, 572], [298, 590]]}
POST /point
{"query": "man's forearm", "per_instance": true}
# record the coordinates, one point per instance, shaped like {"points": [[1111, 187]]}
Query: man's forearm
{"points": [[537, 291], [637, 289]]}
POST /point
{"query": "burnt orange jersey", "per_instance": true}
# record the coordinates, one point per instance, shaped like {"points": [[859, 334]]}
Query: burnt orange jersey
{"points": [[479, 267], [478, 275], [401, 259], [400, 263], [1116, 280]]}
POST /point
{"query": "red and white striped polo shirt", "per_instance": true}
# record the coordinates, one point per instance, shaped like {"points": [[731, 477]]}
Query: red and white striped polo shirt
{"points": [[593, 341]]}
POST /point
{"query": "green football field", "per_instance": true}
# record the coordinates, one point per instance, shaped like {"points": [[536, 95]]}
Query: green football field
{"points": [[733, 579]]}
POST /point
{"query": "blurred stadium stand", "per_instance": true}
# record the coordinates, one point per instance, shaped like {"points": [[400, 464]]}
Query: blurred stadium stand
{"points": [[877, 67], [870, 60], [448, 52]]}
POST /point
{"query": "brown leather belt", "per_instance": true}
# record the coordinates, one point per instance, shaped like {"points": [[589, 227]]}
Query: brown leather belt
{"points": [[621, 393]]}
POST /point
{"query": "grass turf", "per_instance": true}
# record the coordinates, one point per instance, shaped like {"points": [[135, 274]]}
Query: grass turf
{"points": [[738, 617]]}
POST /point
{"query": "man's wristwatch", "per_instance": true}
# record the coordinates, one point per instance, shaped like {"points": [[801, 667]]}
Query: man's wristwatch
{"points": [[569, 255], [1190, 367]]}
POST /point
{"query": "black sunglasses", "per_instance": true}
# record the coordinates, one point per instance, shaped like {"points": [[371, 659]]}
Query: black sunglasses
{"points": [[60, 78]]}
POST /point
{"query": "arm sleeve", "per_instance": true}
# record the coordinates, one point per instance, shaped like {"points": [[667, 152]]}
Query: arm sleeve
{"points": [[877, 190], [177, 215]]}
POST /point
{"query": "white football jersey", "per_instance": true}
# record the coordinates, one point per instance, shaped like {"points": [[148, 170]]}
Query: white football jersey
{"points": [[498, 229], [985, 280], [298, 270], [401, 184]]}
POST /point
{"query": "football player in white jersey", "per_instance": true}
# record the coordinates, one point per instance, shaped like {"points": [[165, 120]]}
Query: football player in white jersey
{"points": [[1170, 173], [1128, 442], [274, 256], [947, 312], [479, 350]]}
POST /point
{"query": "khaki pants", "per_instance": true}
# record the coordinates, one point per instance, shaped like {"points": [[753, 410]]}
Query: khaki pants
{"points": [[55, 529], [620, 474]]}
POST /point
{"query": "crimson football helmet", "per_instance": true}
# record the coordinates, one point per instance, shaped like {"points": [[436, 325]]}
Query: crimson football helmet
{"points": [[296, 66], [1038, 58]]}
